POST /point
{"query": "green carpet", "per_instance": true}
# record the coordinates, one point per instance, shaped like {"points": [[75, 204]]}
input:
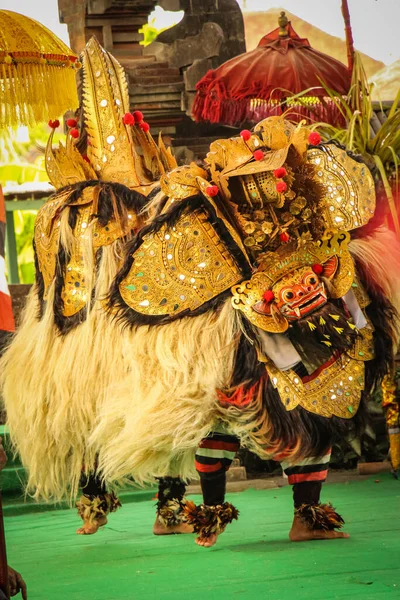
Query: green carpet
{"points": [[253, 558]]}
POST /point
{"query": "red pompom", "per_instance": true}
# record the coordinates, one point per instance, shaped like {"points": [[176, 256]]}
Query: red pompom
{"points": [[279, 173], [144, 126], [268, 296], [54, 124], [314, 138], [86, 158], [284, 237], [212, 190], [128, 119], [245, 134], [138, 116], [317, 268], [258, 155], [72, 122], [281, 187], [74, 133]]}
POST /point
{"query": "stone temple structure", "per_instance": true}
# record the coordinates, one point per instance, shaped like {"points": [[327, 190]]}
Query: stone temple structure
{"points": [[163, 75]]}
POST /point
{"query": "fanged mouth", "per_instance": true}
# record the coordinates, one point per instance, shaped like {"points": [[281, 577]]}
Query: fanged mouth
{"points": [[299, 309]]}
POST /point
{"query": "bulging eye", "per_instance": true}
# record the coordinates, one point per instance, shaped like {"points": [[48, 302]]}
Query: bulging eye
{"points": [[310, 280], [287, 295]]}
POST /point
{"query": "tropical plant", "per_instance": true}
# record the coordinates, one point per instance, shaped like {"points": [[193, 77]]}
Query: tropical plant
{"points": [[379, 149]]}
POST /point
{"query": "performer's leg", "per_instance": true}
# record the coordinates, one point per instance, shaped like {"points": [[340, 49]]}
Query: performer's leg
{"points": [[95, 504], [170, 507], [312, 520], [213, 458]]}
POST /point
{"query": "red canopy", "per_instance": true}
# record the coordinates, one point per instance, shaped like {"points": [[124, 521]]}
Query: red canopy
{"points": [[250, 86]]}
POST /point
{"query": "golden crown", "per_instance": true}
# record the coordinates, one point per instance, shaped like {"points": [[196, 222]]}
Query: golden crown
{"points": [[120, 147]]}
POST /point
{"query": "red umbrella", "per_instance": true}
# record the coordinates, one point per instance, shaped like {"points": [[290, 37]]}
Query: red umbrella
{"points": [[262, 83]]}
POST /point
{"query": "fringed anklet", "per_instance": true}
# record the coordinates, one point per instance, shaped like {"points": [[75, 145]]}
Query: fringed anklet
{"points": [[209, 520], [171, 502], [92, 508], [319, 516]]}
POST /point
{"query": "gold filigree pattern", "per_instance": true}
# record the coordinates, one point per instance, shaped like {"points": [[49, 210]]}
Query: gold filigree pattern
{"points": [[179, 268], [349, 199], [334, 392], [47, 238], [65, 165]]}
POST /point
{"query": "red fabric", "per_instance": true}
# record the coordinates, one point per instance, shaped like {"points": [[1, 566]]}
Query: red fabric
{"points": [[302, 477], [208, 468], [6, 314], [277, 69]]}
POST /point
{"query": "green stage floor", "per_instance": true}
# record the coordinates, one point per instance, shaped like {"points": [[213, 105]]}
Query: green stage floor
{"points": [[252, 560]]}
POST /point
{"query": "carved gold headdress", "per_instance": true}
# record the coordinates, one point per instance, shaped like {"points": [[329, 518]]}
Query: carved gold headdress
{"points": [[286, 201], [120, 149]]}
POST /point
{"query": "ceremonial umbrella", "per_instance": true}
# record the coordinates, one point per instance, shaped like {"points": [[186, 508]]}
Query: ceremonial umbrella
{"points": [[267, 81], [37, 72]]}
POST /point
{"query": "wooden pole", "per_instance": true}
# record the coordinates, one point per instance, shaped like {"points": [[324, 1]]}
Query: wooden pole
{"points": [[349, 35], [3, 556]]}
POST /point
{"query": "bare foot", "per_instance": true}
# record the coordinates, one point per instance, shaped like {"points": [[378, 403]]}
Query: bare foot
{"points": [[301, 533], [91, 528], [207, 542], [160, 529]]}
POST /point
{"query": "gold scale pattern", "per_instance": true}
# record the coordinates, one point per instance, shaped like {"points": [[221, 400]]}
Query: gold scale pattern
{"points": [[179, 268], [336, 391], [349, 200]]}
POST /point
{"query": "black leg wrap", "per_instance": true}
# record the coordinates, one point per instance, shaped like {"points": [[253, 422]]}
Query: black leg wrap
{"points": [[213, 487], [306, 493], [92, 485], [171, 501]]}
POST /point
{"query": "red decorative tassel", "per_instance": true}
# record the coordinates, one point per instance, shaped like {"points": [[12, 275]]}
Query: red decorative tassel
{"points": [[284, 237], [279, 173], [212, 190], [128, 119], [281, 187], [245, 134], [138, 116], [54, 124], [317, 268], [72, 122], [258, 155], [268, 296], [314, 138], [144, 127], [74, 133]]}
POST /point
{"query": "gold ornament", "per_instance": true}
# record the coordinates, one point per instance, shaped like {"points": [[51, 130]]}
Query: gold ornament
{"points": [[349, 190], [179, 268], [334, 392]]}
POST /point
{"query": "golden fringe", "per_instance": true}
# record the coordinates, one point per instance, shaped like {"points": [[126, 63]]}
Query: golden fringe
{"points": [[52, 386], [154, 417], [33, 93]]}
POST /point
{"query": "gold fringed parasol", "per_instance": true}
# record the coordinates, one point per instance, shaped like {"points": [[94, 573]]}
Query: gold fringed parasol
{"points": [[37, 72]]}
